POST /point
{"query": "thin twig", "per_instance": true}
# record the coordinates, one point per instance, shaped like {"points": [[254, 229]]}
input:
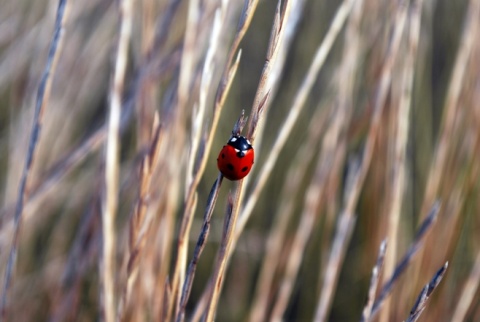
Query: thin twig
{"points": [[43, 95]]}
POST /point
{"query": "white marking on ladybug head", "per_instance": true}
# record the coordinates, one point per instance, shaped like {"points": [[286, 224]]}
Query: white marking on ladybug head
{"points": [[233, 139], [237, 150], [248, 141]]}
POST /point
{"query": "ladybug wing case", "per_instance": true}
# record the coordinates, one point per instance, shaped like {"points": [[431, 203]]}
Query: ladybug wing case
{"points": [[233, 164]]}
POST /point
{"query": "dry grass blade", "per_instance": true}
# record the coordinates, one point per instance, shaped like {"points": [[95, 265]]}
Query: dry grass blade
{"points": [[406, 260], [260, 100], [350, 146], [186, 73], [240, 124], [43, 95], [263, 92], [274, 244], [187, 286], [399, 160], [73, 158], [41, 188], [291, 118], [112, 161], [452, 112], [188, 281], [187, 217], [332, 153], [199, 114], [138, 222], [197, 122], [311, 203], [227, 231], [469, 35], [294, 112], [167, 299], [374, 282], [353, 193], [221, 95], [83, 255], [421, 302], [345, 224], [469, 290]]}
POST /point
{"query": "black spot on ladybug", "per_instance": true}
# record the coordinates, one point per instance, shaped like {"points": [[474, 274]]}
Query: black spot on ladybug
{"points": [[223, 155], [230, 166], [244, 169], [241, 154]]}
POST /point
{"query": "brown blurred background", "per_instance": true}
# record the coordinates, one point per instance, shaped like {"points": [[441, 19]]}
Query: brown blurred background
{"points": [[57, 275]]}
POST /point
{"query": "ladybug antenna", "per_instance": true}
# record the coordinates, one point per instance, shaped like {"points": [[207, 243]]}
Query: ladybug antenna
{"points": [[238, 128]]}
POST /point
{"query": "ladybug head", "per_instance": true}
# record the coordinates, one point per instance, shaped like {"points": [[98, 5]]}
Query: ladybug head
{"points": [[241, 144]]}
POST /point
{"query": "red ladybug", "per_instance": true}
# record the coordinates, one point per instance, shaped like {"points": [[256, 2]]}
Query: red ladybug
{"points": [[236, 158]]}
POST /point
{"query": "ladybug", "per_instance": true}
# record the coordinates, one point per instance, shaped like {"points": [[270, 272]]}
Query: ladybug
{"points": [[235, 160]]}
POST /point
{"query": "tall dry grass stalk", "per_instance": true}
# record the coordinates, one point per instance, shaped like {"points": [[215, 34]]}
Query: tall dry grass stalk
{"points": [[362, 113], [43, 95], [400, 268], [401, 117], [222, 91], [372, 289], [258, 109], [419, 305], [112, 153]]}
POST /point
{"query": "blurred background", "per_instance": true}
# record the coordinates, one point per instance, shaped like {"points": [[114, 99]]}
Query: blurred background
{"points": [[425, 132]]}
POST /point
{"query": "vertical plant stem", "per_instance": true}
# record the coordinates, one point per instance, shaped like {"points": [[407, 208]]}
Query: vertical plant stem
{"points": [[428, 289], [221, 95], [468, 293], [424, 228], [260, 100], [469, 35], [43, 95], [138, 221], [402, 117], [187, 218], [450, 113], [374, 282], [278, 233], [112, 161], [187, 286], [297, 106], [342, 238]]}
